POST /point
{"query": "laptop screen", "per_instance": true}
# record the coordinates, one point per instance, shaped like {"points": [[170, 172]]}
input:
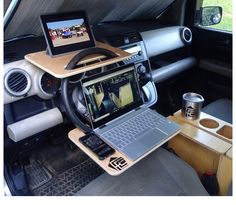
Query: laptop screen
{"points": [[111, 94]]}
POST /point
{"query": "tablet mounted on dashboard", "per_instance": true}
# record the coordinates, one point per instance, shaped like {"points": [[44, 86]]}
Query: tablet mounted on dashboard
{"points": [[66, 32]]}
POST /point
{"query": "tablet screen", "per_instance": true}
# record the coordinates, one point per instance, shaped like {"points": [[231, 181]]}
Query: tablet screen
{"points": [[67, 32]]}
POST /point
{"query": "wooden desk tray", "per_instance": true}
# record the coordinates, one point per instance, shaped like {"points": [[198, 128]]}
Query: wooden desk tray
{"points": [[202, 137], [56, 65], [210, 124], [114, 164]]}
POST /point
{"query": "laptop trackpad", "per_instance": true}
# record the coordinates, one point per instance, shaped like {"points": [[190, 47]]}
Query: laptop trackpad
{"points": [[148, 140], [151, 138]]}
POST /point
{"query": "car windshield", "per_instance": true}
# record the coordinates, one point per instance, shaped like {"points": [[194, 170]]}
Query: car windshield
{"points": [[26, 18]]}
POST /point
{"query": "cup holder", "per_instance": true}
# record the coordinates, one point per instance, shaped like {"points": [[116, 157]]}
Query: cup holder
{"points": [[225, 131], [209, 123]]}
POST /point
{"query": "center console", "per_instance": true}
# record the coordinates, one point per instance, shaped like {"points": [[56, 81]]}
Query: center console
{"points": [[140, 59], [131, 41], [205, 144]]}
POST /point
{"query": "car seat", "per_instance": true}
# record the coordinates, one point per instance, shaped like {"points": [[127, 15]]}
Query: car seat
{"points": [[221, 109], [159, 174]]}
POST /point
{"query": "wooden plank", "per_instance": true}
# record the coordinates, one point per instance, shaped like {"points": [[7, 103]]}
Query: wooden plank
{"points": [[74, 136], [201, 123], [202, 138], [204, 151], [224, 174], [56, 65], [199, 157]]}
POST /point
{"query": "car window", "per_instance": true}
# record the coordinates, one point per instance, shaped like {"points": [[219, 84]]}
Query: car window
{"points": [[226, 19]]}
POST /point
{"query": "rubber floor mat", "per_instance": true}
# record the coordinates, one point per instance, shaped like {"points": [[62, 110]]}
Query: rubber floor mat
{"points": [[37, 174], [71, 181]]}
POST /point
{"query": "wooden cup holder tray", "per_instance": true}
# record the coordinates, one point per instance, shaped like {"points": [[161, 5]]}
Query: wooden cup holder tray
{"points": [[210, 124]]}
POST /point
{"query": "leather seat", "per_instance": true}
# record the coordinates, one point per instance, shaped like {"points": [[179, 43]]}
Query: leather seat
{"points": [[160, 174], [221, 109]]}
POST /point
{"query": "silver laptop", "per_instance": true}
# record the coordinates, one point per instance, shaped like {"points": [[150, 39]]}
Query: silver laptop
{"points": [[119, 116]]}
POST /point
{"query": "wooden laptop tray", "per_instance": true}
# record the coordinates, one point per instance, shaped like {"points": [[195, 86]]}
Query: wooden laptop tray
{"points": [[114, 164], [56, 65]]}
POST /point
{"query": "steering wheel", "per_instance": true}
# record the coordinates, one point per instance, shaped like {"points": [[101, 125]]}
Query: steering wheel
{"points": [[77, 118]]}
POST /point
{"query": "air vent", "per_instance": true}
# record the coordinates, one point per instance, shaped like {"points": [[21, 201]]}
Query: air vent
{"points": [[133, 37], [17, 82], [186, 36], [125, 38]]}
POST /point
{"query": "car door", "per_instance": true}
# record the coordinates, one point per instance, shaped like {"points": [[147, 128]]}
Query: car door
{"points": [[212, 45]]}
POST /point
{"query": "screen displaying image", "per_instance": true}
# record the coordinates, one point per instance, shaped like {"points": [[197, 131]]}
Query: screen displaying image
{"points": [[111, 93], [67, 32]]}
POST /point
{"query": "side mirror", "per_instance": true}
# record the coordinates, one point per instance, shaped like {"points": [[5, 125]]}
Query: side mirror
{"points": [[210, 15]]}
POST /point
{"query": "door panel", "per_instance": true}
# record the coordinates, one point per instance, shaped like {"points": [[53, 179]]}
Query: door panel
{"points": [[213, 49], [212, 44]]}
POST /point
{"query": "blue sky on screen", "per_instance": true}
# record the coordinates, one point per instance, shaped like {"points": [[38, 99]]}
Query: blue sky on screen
{"points": [[63, 24]]}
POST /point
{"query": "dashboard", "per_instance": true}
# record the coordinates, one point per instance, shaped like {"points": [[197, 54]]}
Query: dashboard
{"points": [[37, 94], [22, 79]]}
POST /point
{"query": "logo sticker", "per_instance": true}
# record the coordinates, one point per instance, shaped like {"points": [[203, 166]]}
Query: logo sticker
{"points": [[117, 163], [190, 111]]}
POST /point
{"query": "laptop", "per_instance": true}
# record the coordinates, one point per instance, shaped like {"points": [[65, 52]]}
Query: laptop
{"points": [[119, 116]]}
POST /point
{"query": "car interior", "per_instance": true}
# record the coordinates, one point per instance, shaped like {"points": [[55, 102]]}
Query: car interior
{"points": [[59, 103]]}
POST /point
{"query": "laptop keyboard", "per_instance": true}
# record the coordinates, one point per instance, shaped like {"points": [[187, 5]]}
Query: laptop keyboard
{"points": [[127, 132]]}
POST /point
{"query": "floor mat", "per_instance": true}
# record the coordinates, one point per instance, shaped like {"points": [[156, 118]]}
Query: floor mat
{"points": [[59, 169], [60, 157], [70, 181], [37, 174]]}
